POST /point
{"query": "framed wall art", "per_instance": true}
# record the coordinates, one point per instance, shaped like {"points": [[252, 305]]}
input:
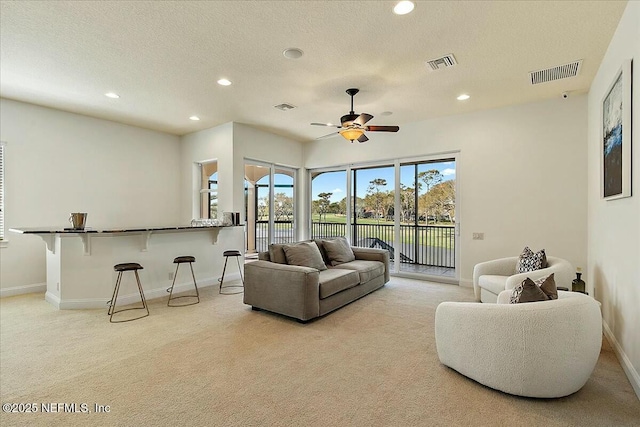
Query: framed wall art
{"points": [[615, 137]]}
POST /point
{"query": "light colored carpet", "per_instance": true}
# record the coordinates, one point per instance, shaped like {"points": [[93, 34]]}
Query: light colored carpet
{"points": [[218, 363]]}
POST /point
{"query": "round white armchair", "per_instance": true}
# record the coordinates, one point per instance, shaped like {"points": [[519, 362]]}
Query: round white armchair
{"points": [[537, 349]]}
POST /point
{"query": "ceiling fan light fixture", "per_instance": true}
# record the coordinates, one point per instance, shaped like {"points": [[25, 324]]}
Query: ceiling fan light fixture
{"points": [[351, 134], [403, 7]]}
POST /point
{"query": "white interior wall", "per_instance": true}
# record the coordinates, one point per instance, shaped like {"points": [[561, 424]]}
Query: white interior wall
{"points": [[614, 226], [251, 143], [521, 174], [209, 144], [59, 162]]}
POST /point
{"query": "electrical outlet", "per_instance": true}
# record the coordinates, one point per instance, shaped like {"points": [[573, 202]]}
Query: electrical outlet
{"points": [[478, 236], [170, 275]]}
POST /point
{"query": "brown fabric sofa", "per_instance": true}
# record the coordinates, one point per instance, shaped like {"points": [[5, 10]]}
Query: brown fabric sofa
{"points": [[305, 293]]}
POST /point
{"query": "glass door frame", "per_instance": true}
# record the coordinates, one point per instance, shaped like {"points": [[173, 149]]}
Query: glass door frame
{"points": [[272, 167], [349, 168]]}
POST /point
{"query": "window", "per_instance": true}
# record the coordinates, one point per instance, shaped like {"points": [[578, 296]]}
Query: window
{"points": [[2, 145], [209, 190]]}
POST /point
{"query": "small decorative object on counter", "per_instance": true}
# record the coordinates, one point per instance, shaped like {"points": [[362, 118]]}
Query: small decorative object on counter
{"points": [[578, 285]]}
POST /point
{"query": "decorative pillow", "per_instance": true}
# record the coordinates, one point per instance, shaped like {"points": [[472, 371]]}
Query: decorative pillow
{"points": [[527, 291], [305, 254], [276, 253], [338, 251], [529, 261], [548, 286]]}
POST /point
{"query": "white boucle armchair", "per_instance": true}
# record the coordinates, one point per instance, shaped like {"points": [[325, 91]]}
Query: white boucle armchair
{"points": [[538, 349], [492, 277]]}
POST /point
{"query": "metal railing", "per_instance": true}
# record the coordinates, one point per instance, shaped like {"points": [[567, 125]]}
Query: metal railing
{"points": [[429, 245], [284, 233]]}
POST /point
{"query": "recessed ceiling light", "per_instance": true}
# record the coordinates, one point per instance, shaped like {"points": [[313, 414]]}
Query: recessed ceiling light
{"points": [[386, 113], [403, 7], [463, 97], [112, 95], [194, 118], [224, 82], [292, 53]]}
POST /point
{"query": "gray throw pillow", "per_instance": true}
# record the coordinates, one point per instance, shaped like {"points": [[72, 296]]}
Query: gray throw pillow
{"points": [[338, 251], [305, 254], [548, 286], [530, 261], [276, 253], [527, 291]]}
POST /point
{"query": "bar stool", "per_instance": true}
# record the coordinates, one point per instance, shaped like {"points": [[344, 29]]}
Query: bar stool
{"points": [[177, 261], [236, 255], [121, 268]]}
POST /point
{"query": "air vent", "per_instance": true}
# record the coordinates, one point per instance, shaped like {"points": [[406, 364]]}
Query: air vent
{"points": [[443, 62], [284, 107], [555, 73]]}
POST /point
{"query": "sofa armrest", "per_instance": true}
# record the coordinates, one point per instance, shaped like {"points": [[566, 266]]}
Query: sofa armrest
{"points": [[286, 289], [498, 267], [373, 254]]}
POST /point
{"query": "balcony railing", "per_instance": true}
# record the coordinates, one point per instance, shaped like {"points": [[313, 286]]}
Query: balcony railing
{"points": [[429, 245]]}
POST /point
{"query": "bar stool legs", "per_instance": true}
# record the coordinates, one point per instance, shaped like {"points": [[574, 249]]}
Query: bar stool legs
{"points": [[180, 260], [236, 255], [121, 268]]}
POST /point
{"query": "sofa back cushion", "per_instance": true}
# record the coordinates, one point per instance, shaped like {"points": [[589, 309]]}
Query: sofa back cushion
{"points": [[305, 254], [338, 251]]}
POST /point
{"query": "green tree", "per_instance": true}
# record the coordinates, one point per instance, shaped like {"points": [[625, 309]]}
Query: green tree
{"points": [[323, 204], [429, 179], [377, 196]]}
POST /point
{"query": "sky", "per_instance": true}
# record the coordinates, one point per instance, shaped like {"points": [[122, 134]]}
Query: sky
{"points": [[335, 182]]}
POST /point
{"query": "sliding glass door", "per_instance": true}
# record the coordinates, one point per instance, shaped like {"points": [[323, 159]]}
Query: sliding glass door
{"points": [[269, 204], [407, 207]]}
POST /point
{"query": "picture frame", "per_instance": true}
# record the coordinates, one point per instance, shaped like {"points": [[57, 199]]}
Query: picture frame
{"points": [[615, 136]]}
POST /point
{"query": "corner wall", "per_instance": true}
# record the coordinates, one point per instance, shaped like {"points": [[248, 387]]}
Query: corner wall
{"points": [[614, 226], [521, 175], [59, 162]]}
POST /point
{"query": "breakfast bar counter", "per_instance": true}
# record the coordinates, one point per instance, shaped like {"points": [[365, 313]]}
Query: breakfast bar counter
{"points": [[80, 261]]}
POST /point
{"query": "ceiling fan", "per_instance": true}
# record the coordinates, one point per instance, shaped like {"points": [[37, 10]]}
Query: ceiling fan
{"points": [[352, 126]]}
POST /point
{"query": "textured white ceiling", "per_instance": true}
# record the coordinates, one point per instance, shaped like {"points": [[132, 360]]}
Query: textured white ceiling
{"points": [[164, 58]]}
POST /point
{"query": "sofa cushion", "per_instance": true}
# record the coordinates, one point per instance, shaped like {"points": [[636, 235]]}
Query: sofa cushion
{"points": [[493, 283], [527, 291], [305, 254], [276, 253], [367, 270], [530, 261], [335, 280], [338, 251]]}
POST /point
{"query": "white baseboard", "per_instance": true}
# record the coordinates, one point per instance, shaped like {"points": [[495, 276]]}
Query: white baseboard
{"points": [[628, 368], [26, 289], [466, 283]]}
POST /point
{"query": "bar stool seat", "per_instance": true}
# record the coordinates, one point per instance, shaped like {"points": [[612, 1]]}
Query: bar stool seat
{"points": [[121, 268], [177, 261], [226, 254]]}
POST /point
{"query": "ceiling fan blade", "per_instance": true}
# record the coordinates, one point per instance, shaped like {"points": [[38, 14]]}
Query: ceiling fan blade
{"points": [[363, 138], [363, 118], [330, 135], [382, 128], [326, 124]]}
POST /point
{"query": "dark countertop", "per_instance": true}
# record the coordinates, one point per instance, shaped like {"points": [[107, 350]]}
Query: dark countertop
{"points": [[90, 230]]}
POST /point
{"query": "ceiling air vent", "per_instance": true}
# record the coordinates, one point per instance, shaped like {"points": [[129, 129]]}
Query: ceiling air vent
{"points": [[443, 62], [284, 107], [555, 73]]}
